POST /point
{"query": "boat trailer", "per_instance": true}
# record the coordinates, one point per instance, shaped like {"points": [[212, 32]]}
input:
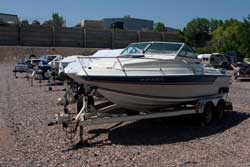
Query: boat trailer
{"points": [[105, 112]]}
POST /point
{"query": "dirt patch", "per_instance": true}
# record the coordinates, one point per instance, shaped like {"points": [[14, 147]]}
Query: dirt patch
{"points": [[26, 111], [5, 137]]}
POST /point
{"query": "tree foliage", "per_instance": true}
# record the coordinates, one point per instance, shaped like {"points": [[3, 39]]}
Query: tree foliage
{"points": [[214, 24], [227, 37], [57, 20], [159, 27], [245, 37], [197, 32], [233, 36], [219, 36]]}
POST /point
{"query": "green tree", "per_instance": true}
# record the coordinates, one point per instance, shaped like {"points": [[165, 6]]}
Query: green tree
{"points": [[159, 27], [57, 20], [214, 24], [197, 32], [245, 37], [227, 38], [219, 36]]}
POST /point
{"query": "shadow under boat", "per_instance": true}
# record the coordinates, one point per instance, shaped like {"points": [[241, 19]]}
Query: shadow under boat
{"points": [[162, 130]]}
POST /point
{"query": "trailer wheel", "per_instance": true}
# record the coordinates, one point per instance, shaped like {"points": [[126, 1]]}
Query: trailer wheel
{"points": [[207, 115], [46, 75], [220, 109]]}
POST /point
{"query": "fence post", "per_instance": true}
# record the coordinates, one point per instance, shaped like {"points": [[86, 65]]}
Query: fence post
{"points": [[163, 36], [84, 38], [138, 36], [20, 37], [112, 39], [53, 36], [18, 34]]}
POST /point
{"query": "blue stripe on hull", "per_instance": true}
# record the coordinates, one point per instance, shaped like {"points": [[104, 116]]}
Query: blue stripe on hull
{"points": [[155, 80]]}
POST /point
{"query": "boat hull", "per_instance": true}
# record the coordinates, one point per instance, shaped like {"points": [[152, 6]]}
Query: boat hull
{"points": [[146, 95]]}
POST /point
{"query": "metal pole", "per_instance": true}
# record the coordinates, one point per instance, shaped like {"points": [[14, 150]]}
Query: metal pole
{"points": [[124, 71], [81, 134], [32, 77], [84, 109]]}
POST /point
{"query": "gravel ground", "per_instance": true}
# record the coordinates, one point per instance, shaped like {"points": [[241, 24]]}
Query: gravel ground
{"points": [[26, 140]]}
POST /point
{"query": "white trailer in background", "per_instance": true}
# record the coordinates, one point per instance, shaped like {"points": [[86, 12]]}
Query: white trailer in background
{"points": [[215, 60]]}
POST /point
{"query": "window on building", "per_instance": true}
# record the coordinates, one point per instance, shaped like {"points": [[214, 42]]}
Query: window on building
{"points": [[117, 25]]}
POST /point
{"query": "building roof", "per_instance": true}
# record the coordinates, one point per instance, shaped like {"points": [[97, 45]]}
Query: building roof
{"points": [[9, 18], [170, 29]]}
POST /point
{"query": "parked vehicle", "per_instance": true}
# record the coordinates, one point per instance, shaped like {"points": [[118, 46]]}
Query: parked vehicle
{"points": [[241, 71], [48, 65], [215, 59], [26, 65], [39, 65]]}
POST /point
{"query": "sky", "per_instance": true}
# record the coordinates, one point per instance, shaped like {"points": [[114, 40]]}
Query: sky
{"points": [[173, 13]]}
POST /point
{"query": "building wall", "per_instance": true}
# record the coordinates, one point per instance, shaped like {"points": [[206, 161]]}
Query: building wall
{"points": [[9, 18], [130, 23], [170, 29], [94, 24]]}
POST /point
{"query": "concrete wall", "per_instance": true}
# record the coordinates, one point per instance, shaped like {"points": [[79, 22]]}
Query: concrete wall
{"points": [[36, 36], [14, 53], [45, 36], [8, 35], [68, 37]]}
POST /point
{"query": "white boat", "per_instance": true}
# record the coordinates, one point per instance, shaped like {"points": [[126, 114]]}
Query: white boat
{"points": [[75, 65], [152, 75], [65, 62]]}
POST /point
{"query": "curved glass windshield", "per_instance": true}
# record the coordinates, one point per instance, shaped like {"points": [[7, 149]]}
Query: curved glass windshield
{"points": [[187, 52], [136, 48], [163, 48], [152, 48]]}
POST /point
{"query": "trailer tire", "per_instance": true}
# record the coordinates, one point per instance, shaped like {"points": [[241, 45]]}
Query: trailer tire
{"points": [[46, 75], [207, 115], [220, 110]]}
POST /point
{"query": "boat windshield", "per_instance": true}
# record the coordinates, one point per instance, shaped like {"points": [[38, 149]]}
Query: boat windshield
{"points": [[136, 48], [152, 48], [163, 48]]}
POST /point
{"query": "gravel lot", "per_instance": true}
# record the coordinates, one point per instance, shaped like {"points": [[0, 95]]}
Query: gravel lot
{"points": [[26, 140]]}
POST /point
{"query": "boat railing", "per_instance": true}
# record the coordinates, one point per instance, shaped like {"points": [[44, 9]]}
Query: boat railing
{"points": [[122, 59], [119, 60]]}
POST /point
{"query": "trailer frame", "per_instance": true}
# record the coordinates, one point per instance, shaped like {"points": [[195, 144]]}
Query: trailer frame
{"points": [[105, 112]]}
